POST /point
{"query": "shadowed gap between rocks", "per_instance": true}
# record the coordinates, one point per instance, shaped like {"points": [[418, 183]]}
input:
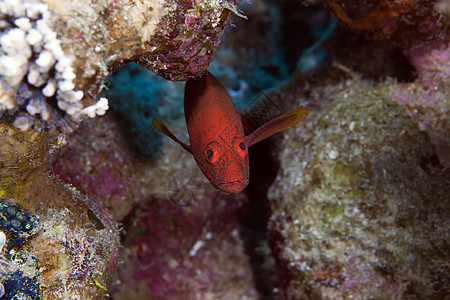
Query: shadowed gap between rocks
{"points": [[253, 217]]}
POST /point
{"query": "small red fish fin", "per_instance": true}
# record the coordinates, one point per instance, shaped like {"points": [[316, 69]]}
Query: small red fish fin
{"points": [[163, 129], [276, 125]]}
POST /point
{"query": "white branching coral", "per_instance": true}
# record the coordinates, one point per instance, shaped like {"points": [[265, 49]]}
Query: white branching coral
{"points": [[36, 75]]}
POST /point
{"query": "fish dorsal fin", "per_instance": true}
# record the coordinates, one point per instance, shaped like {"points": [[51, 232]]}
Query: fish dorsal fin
{"points": [[162, 128], [276, 125]]}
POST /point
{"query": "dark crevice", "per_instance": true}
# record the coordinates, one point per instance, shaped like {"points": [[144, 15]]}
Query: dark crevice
{"points": [[305, 27], [254, 216], [301, 27], [368, 58]]}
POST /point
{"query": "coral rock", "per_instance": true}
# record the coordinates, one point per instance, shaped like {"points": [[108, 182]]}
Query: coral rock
{"points": [[427, 99], [359, 207], [55, 56], [400, 23], [67, 257], [170, 251]]}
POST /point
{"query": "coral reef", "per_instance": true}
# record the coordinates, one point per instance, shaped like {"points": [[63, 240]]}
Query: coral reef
{"points": [[420, 29], [357, 195], [61, 251], [403, 24], [356, 203], [427, 99], [170, 251], [54, 58], [34, 68]]}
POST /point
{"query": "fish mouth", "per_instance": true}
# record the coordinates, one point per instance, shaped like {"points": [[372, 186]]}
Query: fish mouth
{"points": [[233, 186]]}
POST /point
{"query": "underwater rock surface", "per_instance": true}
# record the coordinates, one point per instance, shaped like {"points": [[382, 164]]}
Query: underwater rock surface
{"points": [[427, 99], [358, 208], [193, 253], [52, 249], [421, 29], [402, 24], [360, 205], [55, 55]]}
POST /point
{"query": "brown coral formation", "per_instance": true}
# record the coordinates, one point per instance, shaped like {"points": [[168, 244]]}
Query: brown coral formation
{"points": [[70, 253]]}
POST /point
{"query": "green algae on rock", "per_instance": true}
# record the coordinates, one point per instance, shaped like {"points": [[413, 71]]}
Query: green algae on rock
{"points": [[360, 206]]}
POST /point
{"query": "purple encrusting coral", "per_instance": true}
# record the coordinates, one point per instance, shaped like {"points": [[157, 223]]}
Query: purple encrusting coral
{"points": [[185, 44], [95, 173], [96, 166], [427, 99], [188, 253]]}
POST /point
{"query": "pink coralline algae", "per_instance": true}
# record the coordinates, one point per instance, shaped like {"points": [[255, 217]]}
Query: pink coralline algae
{"points": [[185, 42], [97, 175], [187, 253], [427, 98], [96, 168]]}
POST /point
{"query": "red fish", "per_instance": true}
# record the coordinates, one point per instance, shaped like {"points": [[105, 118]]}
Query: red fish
{"points": [[216, 134]]}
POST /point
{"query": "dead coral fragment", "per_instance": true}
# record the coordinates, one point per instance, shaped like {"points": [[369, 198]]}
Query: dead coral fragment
{"points": [[35, 72]]}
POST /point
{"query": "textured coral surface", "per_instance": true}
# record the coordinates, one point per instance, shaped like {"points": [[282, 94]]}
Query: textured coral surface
{"points": [[66, 254], [427, 99], [352, 203], [360, 205], [55, 56]]}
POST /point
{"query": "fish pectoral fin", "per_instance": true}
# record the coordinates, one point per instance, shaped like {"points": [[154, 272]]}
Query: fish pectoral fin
{"points": [[276, 125], [163, 129]]}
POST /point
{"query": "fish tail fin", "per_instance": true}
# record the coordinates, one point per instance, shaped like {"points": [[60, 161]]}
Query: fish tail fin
{"points": [[163, 129], [276, 125]]}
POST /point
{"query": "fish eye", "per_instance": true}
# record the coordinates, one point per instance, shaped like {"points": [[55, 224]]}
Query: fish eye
{"points": [[240, 146], [212, 152], [209, 153]]}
